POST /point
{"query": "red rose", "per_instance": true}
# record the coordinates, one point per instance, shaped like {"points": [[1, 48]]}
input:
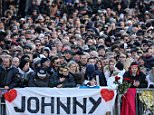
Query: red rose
{"points": [[128, 79], [117, 78]]}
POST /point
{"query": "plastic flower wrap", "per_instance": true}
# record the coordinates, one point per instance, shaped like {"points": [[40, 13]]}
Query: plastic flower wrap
{"points": [[122, 87], [147, 98]]}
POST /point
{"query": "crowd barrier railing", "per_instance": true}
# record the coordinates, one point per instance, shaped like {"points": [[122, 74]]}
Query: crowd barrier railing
{"points": [[148, 95], [2, 102], [140, 107]]}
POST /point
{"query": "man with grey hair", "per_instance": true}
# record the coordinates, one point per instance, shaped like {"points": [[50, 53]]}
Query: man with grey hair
{"points": [[15, 62]]}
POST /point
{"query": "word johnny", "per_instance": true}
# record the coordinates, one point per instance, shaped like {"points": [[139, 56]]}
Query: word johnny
{"points": [[56, 105], [65, 101]]}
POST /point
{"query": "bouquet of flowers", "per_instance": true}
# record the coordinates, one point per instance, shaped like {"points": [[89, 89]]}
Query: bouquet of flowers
{"points": [[146, 97], [122, 87]]}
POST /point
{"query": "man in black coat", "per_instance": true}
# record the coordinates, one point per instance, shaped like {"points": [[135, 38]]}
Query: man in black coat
{"points": [[7, 72]]}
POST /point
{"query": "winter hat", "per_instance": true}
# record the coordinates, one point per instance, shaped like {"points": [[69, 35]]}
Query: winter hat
{"points": [[41, 73], [43, 60], [25, 57], [85, 48], [36, 61], [28, 46], [134, 64], [23, 63], [90, 70], [68, 52], [119, 66], [47, 49]]}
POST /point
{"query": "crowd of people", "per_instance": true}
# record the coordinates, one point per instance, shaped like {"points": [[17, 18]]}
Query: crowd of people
{"points": [[72, 43]]}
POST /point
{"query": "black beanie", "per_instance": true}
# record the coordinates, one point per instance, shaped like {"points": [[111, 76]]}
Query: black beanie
{"points": [[134, 63], [119, 66], [44, 60], [23, 63], [25, 57]]}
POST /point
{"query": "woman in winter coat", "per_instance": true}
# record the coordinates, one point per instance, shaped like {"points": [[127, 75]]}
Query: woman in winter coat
{"points": [[135, 76]]}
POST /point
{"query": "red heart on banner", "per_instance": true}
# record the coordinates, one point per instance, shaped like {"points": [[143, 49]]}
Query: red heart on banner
{"points": [[107, 95], [10, 95]]}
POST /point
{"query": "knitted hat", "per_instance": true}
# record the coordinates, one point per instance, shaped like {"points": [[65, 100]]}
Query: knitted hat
{"points": [[43, 60], [36, 61], [41, 73]]}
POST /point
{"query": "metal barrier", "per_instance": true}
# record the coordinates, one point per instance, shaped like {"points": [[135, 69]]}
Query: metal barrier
{"points": [[140, 108], [2, 102]]}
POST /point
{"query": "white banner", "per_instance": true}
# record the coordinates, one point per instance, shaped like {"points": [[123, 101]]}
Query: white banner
{"points": [[62, 101]]}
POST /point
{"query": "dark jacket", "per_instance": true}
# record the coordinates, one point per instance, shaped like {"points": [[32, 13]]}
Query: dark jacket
{"points": [[141, 77], [68, 82], [35, 81], [102, 79], [90, 72], [149, 61], [22, 78], [7, 75]]}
